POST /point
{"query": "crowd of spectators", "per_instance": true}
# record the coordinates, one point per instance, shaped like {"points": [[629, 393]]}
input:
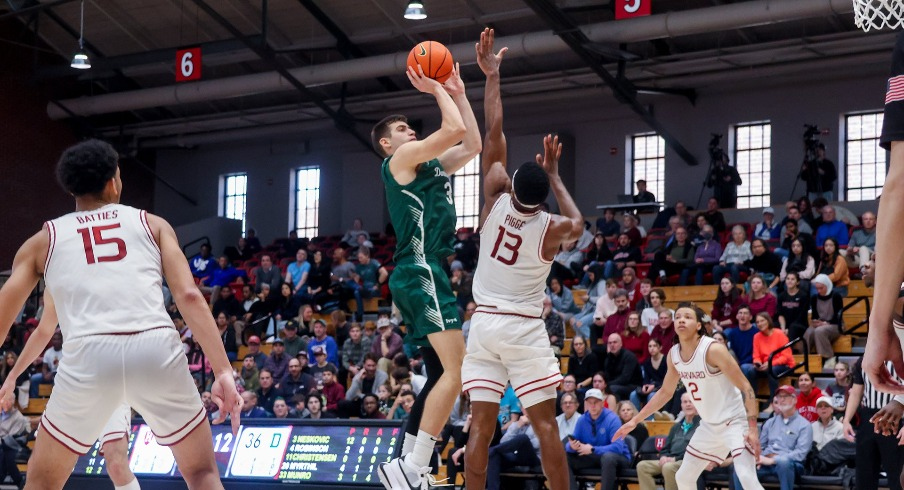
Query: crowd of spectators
{"points": [[306, 355]]}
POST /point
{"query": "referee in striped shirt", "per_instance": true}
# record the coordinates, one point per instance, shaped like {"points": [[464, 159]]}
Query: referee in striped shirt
{"points": [[876, 418]]}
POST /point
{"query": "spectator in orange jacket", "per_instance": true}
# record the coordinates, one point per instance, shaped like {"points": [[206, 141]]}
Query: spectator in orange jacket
{"points": [[765, 342]]}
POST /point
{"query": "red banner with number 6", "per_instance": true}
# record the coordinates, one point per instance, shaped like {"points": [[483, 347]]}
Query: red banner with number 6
{"points": [[626, 9], [188, 64]]}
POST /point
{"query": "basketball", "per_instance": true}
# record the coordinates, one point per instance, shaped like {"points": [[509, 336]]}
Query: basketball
{"points": [[434, 58]]}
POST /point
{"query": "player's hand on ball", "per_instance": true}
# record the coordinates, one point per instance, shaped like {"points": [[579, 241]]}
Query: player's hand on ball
{"points": [[454, 85], [229, 402], [552, 150], [422, 82], [486, 60]]}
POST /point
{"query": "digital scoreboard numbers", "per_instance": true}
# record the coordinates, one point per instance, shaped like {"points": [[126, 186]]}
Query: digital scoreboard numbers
{"points": [[310, 454], [338, 454], [259, 452], [93, 463]]}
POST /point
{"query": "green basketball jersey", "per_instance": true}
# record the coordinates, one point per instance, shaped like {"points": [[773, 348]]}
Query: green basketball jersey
{"points": [[422, 212]]}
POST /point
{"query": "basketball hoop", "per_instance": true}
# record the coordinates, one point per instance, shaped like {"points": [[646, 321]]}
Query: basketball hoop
{"points": [[877, 14]]}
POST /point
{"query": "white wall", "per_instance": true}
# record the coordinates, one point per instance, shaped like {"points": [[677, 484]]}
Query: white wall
{"points": [[351, 184]]}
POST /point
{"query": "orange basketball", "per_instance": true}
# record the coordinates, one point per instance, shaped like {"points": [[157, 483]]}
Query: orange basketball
{"points": [[434, 58]]}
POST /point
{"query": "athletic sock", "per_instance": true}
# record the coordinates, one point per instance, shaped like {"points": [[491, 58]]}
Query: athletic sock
{"points": [[408, 444], [423, 450], [132, 485]]}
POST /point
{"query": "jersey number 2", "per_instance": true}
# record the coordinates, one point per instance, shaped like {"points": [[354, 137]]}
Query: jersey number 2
{"points": [[513, 246], [94, 236], [692, 388]]}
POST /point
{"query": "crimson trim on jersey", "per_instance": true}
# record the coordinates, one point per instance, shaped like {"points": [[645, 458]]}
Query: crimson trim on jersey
{"points": [[898, 324], [147, 228], [481, 379], [741, 450], [55, 438], [480, 231], [131, 333], [180, 429], [51, 243], [536, 381], [478, 310], [177, 441], [483, 388], [50, 429], [542, 240], [541, 387], [704, 456], [705, 364]]}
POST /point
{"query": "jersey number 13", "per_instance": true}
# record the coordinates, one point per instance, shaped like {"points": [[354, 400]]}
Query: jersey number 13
{"points": [[507, 240]]}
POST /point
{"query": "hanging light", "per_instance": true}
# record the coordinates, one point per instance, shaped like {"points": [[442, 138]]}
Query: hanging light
{"points": [[80, 59], [415, 10]]}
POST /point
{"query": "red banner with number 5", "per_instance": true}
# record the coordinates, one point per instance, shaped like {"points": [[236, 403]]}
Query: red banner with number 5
{"points": [[188, 64], [626, 9]]}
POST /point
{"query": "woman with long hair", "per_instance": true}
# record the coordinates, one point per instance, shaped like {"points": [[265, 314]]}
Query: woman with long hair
{"points": [[600, 383], [761, 298], [319, 279], [626, 412], [582, 363], [833, 265], [635, 337], [654, 369], [649, 318], [726, 304], [793, 305], [801, 262]]}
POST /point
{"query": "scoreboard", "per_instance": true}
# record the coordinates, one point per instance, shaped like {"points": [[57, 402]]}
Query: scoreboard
{"points": [[321, 452]]}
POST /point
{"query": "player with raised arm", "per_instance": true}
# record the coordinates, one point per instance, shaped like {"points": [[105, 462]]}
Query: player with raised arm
{"points": [[104, 266], [415, 176], [723, 398], [114, 438], [508, 339], [889, 266]]}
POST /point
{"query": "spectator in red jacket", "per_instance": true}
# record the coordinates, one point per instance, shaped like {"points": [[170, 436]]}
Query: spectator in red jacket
{"points": [[806, 400], [333, 392]]}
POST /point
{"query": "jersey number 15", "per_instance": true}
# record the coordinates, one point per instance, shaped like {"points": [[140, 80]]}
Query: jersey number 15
{"points": [[512, 246], [94, 236]]}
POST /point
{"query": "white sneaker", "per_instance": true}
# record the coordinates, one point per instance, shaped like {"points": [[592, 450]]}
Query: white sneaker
{"points": [[399, 475]]}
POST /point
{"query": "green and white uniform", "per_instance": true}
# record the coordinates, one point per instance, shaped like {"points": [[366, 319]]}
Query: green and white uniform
{"points": [[423, 215]]}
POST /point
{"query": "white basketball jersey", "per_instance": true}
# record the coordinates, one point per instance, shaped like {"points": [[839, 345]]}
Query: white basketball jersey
{"points": [[511, 271], [105, 272], [716, 398]]}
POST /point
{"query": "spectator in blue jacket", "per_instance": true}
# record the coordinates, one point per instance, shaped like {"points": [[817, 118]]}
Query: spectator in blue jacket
{"points": [[831, 228], [592, 447], [219, 277]]}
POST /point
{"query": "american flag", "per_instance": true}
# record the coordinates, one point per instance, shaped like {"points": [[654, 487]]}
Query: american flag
{"points": [[895, 90]]}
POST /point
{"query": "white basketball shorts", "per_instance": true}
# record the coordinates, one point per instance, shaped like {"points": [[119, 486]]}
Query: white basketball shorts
{"points": [[118, 426], [98, 373], [714, 442], [505, 347]]}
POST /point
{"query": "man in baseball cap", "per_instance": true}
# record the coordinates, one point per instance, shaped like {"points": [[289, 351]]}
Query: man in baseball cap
{"points": [[591, 445], [254, 350]]}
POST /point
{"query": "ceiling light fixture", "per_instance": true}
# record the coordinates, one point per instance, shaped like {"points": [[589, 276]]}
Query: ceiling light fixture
{"points": [[415, 11], [80, 59]]}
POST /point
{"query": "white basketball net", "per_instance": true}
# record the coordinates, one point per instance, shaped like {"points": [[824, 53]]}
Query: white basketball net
{"points": [[876, 14]]}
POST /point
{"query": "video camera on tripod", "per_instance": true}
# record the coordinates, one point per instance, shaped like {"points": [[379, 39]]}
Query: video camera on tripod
{"points": [[715, 148], [811, 142]]}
